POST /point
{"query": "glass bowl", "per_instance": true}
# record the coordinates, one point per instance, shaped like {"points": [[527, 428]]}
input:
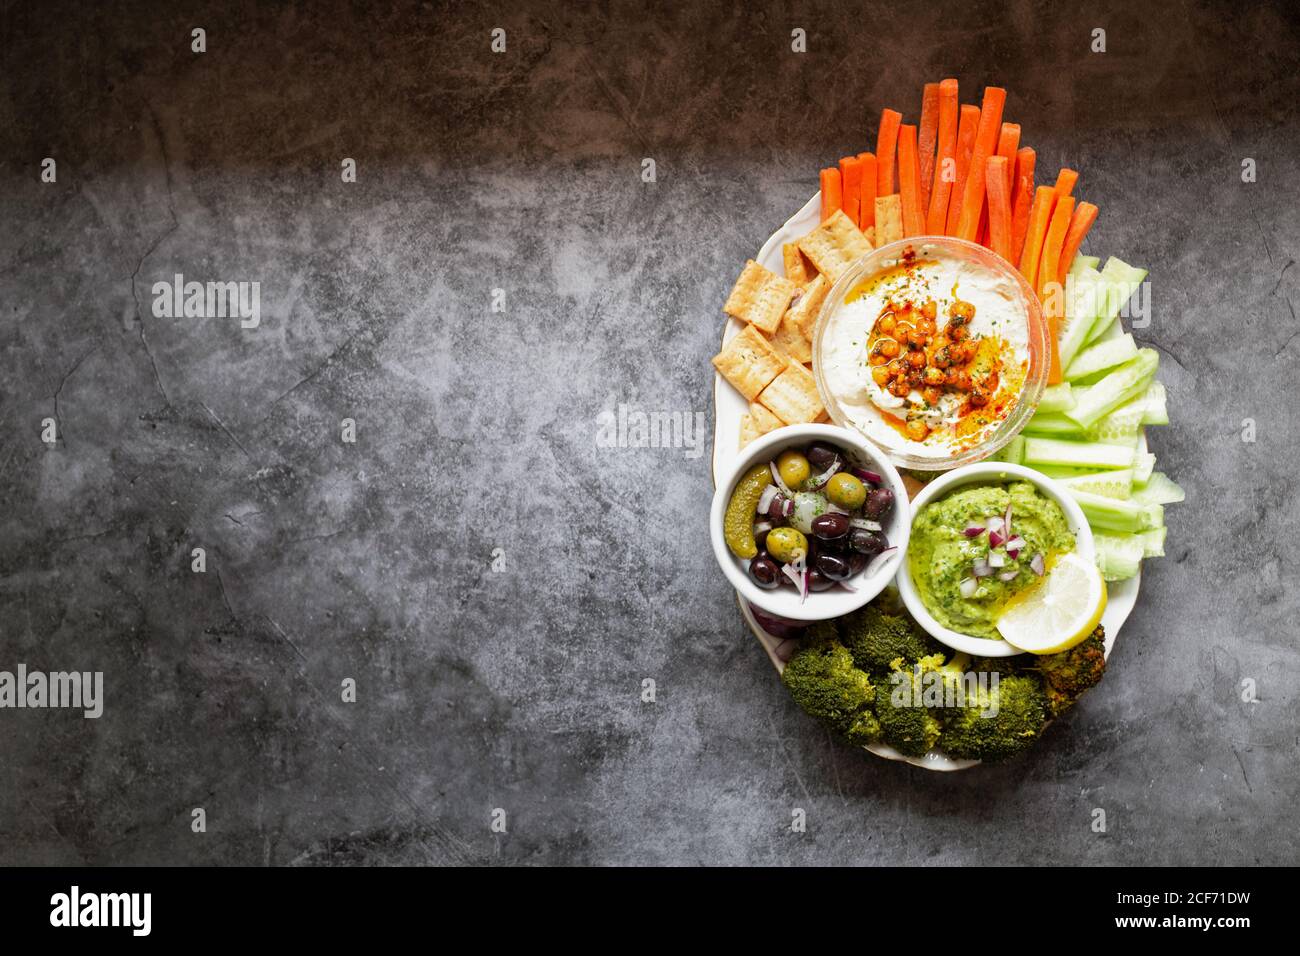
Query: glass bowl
{"points": [[968, 255]]}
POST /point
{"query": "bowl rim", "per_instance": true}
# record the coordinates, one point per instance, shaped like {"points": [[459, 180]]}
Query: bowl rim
{"points": [[986, 472], [1037, 335], [868, 585]]}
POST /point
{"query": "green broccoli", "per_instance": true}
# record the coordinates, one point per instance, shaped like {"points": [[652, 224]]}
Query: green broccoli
{"points": [[905, 723], [875, 638], [823, 681], [1002, 721], [864, 729], [1068, 674], [820, 631]]}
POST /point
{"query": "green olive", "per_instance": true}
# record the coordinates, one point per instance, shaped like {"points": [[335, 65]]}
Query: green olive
{"points": [[794, 468], [787, 544], [846, 491]]}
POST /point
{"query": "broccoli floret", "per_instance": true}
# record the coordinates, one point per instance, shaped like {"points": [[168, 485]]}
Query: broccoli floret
{"points": [[823, 681], [1001, 722], [864, 729], [820, 631], [875, 638], [905, 723], [1068, 674]]}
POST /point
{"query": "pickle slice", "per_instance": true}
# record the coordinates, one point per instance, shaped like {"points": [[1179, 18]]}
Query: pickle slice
{"points": [[738, 524]]}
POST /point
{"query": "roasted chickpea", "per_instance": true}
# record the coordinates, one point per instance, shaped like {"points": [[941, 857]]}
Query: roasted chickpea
{"points": [[916, 359], [961, 312], [880, 375], [888, 347], [930, 310], [925, 325], [875, 358], [932, 395], [916, 430], [978, 397], [902, 331], [933, 376], [900, 388], [917, 339], [955, 332], [942, 357], [961, 381], [886, 323]]}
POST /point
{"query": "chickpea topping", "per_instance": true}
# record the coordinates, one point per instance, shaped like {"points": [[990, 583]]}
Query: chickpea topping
{"points": [[880, 375], [916, 430], [979, 398], [916, 359], [930, 310], [888, 347], [886, 323], [933, 376], [932, 395]]}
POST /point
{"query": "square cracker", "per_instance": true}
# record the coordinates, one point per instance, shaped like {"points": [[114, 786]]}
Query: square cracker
{"points": [[790, 340], [759, 297], [798, 267], [803, 314], [793, 395], [763, 420], [835, 245], [748, 362], [748, 430], [889, 218]]}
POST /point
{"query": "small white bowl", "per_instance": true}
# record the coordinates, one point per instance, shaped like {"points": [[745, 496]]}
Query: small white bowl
{"points": [[986, 473], [835, 602]]}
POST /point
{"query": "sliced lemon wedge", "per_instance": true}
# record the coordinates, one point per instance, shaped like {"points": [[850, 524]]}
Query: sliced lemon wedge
{"points": [[1060, 612]]}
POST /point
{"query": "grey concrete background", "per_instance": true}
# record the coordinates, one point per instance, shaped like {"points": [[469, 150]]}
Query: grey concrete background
{"points": [[520, 688]]}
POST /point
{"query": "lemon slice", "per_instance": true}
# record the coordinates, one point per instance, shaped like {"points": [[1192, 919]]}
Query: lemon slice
{"points": [[1060, 612]]}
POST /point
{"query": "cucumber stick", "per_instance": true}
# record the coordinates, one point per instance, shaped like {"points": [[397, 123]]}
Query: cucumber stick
{"points": [[1122, 280], [1084, 263], [1086, 297], [1119, 556], [1144, 465], [1110, 484], [1121, 385], [1113, 514], [1056, 398], [1154, 542], [1102, 356], [1077, 454], [1012, 452], [1053, 426], [1155, 405], [1159, 490]]}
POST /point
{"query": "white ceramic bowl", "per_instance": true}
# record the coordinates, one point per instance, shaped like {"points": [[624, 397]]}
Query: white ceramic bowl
{"points": [[986, 473], [823, 605]]}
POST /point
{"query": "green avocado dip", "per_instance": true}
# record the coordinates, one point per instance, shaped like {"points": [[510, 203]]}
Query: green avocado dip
{"points": [[959, 557]]}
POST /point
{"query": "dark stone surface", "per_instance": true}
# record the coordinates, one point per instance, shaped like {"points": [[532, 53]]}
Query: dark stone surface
{"points": [[520, 688]]}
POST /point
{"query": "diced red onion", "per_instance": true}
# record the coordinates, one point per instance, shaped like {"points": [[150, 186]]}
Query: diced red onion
{"points": [[865, 523], [981, 568], [765, 499], [836, 509], [968, 587], [974, 531], [994, 523], [997, 560], [818, 482], [1006, 526], [1016, 543], [995, 539], [787, 507], [1008, 575], [776, 476], [1013, 553], [892, 547], [867, 476], [789, 571], [1038, 564]]}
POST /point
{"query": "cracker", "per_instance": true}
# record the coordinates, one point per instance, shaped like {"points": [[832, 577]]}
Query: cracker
{"points": [[790, 340], [748, 362], [748, 430], [803, 314], [870, 233], [889, 218], [763, 419], [835, 245], [798, 267], [792, 396], [759, 297]]}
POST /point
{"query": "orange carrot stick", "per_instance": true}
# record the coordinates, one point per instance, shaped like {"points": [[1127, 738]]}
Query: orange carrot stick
{"points": [[1049, 290], [1008, 141], [832, 192], [945, 166], [995, 181], [909, 182], [986, 142], [886, 141], [1065, 181], [867, 197], [1022, 195], [1085, 214], [967, 126], [927, 136], [1040, 215], [851, 186]]}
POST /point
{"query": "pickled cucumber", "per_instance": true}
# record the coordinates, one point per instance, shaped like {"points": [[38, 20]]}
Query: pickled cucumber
{"points": [[738, 523]]}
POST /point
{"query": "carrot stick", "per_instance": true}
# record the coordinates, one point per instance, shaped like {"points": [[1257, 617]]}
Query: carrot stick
{"points": [[945, 161], [966, 129], [909, 182], [927, 136], [1065, 181], [1008, 141], [851, 186], [1022, 195], [1085, 214], [1049, 291], [867, 192], [886, 141], [986, 142], [1040, 214], [832, 192], [995, 181]]}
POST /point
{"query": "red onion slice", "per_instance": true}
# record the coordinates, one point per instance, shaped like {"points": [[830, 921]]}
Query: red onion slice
{"points": [[892, 547], [995, 539], [997, 560], [1006, 524], [1038, 564], [1008, 575], [974, 531], [1016, 544], [868, 476], [765, 499], [761, 526], [1013, 553], [866, 524], [968, 587], [818, 482], [994, 523], [789, 571], [981, 568], [776, 476]]}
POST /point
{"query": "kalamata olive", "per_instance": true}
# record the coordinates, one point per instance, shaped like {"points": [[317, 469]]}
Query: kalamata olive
{"points": [[780, 508], [818, 581], [880, 502], [830, 525], [870, 543], [857, 562], [765, 572], [821, 455], [833, 566], [760, 539]]}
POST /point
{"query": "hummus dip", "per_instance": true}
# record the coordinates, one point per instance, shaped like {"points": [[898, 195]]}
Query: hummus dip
{"points": [[928, 356]]}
